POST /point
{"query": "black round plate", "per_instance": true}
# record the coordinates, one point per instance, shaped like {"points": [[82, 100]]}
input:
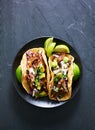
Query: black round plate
{"points": [[42, 102]]}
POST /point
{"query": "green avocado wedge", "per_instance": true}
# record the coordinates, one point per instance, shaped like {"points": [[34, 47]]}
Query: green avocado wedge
{"points": [[76, 71], [18, 73]]}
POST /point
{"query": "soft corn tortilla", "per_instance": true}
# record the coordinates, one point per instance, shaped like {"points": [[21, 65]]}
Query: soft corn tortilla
{"points": [[24, 68], [70, 77]]}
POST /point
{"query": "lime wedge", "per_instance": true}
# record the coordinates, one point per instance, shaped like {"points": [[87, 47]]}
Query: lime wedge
{"points": [[48, 42], [50, 48], [18, 73], [76, 71], [62, 48]]}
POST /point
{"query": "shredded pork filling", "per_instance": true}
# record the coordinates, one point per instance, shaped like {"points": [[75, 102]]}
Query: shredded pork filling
{"points": [[60, 72], [36, 74]]}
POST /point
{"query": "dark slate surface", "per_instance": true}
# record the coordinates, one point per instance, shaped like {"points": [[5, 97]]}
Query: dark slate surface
{"points": [[70, 20]]}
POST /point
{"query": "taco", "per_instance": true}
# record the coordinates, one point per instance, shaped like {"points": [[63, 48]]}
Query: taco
{"points": [[35, 72], [61, 75]]}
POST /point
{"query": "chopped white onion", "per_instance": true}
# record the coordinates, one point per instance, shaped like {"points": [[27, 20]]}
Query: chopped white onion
{"points": [[64, 71], [55, 55], [34, 91], [56, 71], [31, 70], [60, 70]]}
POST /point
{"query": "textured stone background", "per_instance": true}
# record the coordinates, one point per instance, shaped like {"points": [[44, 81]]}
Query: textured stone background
{"points": [[70, 20]]}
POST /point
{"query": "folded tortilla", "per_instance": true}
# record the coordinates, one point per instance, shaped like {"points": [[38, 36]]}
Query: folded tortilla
{"points": [[35, 72], [61, 75]]}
